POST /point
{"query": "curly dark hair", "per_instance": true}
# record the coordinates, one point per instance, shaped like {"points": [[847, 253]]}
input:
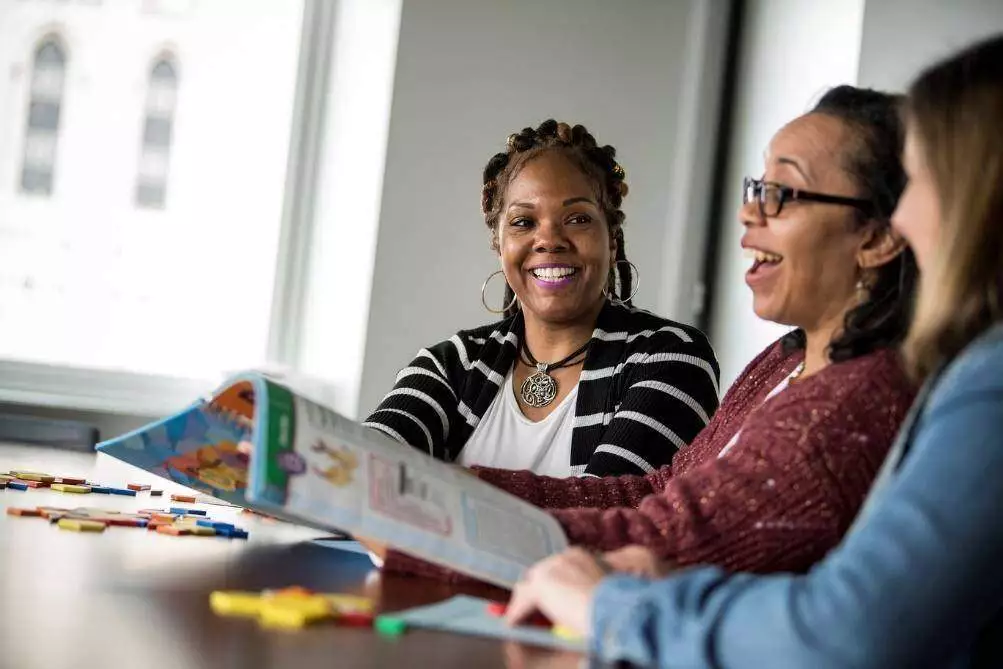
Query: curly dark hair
{"points": [[873, 160], [597, 163]]}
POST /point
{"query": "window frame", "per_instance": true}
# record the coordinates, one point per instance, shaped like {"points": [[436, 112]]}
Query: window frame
{"points": [[147, 395], [32, 133]]}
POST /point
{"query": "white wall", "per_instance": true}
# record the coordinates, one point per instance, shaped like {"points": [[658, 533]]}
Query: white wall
{"points": [[791, 51], [902, 36], [469, 72]]}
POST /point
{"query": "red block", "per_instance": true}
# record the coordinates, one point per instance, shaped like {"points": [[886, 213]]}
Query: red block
{"points": [[355, 619]]}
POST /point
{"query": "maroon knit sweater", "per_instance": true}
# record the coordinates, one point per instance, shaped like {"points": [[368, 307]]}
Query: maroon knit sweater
{"points": [[781, 497]]}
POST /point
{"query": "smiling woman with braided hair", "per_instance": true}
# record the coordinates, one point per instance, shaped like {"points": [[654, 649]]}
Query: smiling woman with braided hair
{"points": [[573, 380], [779, 474]]}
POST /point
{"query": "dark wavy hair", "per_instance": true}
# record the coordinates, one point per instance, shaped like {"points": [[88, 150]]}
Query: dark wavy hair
{"points": [[597, 163], [873, 160]]}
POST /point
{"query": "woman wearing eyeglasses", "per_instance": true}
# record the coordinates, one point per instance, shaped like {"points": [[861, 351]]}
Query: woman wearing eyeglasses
{"points": [[775, 479], [917, 582]]}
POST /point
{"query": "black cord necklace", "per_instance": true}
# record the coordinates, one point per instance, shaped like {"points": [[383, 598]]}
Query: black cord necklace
{"points": [[540, 388]]}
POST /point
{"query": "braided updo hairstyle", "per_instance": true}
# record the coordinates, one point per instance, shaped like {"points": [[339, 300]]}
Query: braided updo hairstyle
{"points": [[597, 163]]}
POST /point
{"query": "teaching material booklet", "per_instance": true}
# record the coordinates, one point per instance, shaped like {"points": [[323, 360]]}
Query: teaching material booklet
{"points": [[310, 465]]}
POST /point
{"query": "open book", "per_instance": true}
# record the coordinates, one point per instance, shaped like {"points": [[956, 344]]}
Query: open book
{"points": [[309, 465]]}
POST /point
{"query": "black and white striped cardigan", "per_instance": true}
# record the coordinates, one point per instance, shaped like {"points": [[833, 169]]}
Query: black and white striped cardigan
{"points": [[648, 386]]}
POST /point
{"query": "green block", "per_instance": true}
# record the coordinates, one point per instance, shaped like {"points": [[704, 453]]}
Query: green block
{"points": [[390, 626]]}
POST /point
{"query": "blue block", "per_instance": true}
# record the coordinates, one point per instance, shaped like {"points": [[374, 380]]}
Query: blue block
{"points": [[238, 534], [177, 510], [143, 523], [223, 526], [101, 490], [196, 512], [16, 485], [205, 523], [122, 491]]}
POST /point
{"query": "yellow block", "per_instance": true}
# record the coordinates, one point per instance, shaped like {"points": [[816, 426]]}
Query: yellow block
{"points": [[35, 476], [201, 531], [349, 603], [566, 633], [66, 487], [81, 525], [293, 611], [235, 603]]}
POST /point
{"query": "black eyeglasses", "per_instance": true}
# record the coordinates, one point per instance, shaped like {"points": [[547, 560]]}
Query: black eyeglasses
{"points": [[771, 197]]}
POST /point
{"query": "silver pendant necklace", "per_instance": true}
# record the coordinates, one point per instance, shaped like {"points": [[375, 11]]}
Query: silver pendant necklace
{"points": [[540, 388]]}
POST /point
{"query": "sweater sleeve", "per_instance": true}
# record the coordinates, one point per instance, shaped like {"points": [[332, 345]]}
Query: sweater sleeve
{"points": [[546, 492], [561, 493], [914, 585], [668, 393], [422, 409], [779, 500]]}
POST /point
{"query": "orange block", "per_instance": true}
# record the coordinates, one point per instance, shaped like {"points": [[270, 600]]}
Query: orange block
{"points": [[11, 511], [138, 487], [50, 511], [183, 498], [172, 530]]}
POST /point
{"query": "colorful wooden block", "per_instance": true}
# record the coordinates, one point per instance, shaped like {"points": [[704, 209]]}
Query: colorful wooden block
{"points": [[52, 511], [34, 476], [122, 491], [183, 498], [350, 603], [235, 603], [389, 626], [13, 511], [78, 525], [293, 611], [16, 485], [355, 619], [172, 530], [69, 480], [70, 487], [139, 487]]}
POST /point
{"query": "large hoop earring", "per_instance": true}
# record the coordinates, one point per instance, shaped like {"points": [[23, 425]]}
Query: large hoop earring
{"points": [[485, 302], [637, 282]]}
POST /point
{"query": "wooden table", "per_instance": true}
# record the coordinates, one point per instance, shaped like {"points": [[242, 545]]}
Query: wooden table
{"points": [[138, 599]]}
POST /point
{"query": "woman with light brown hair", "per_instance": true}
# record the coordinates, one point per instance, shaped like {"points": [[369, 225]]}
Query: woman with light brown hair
{"points": [[917, 581]]}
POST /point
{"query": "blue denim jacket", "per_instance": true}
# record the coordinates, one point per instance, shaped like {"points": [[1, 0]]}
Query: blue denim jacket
{"points": [[917, 582]]}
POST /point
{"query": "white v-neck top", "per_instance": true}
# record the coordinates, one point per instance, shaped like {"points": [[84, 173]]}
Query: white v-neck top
{"points": [[505, 438]]}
